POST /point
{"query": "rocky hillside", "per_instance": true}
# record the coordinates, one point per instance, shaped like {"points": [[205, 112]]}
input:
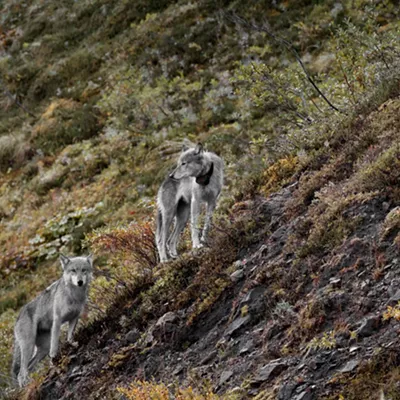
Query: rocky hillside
{"points": [[297, 295]]}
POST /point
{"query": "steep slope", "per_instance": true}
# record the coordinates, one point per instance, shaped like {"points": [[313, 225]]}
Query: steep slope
{"points": [[301, 317], [98, 98]]}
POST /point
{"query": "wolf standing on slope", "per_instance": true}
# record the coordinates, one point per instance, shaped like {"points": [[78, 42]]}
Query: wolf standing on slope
{"points": [[197, 179], [39, 321]]}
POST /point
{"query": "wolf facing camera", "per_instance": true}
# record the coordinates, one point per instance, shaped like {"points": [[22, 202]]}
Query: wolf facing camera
{"points": [[197, 180], [38, 326]]}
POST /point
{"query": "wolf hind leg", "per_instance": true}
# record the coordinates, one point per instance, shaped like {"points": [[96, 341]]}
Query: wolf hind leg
{"points": [[182, 217], [161, 236], [195, 210], [27, 347], [167, 218]]}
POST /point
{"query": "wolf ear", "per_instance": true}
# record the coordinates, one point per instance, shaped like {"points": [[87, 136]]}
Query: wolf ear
{"points": [[185, 147], [198, 149], [64, 260], [89, 258]]}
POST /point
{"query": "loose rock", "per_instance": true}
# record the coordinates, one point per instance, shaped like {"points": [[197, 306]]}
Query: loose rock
{"points": [[350, 366], [225, 376], [237, 324], [394, 299], [368, 326], [237, 275], [269, 371], [132, 336]]}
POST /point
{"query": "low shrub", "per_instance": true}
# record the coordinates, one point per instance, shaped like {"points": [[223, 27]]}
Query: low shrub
{"points": [[15, 150], [65, 122], [278, 174], [384, 173], [131, 259], [135, 243]]}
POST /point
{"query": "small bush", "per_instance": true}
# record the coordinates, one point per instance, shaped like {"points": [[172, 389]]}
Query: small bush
{"points": [[327, 341], [391, 225], [132, 257], [278, 174], [392, 312], [384, 173], [135, 243], [64, 122], [328, 225], [14, 151], [49, 179]]}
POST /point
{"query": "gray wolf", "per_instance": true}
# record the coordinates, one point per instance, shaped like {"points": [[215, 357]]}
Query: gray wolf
{"points": [[197, 180], [39, 322]]}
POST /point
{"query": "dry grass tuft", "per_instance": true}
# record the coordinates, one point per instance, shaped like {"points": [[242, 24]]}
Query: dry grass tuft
{"points": [[142, 390]]}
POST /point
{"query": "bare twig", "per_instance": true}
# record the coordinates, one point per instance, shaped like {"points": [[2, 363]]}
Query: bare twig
{"points": [[239, 20], [349, 85], [14, 99], [290, 106], [316, 105]]}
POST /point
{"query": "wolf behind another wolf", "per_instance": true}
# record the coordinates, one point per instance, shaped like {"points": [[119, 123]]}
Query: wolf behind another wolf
{"points": [[197, 180], [39, 322]]}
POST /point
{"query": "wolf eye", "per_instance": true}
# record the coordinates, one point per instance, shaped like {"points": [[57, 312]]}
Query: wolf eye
{"points": [[73, 270], [183, 163]]}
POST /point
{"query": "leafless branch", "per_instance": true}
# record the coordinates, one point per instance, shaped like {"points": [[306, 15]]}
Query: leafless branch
{"points": [[251, 25]]}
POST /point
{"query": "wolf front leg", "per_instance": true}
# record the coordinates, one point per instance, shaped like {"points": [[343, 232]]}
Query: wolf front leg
{"points": [[71, 329], [55, 335], [207, 223], [194, 214]]}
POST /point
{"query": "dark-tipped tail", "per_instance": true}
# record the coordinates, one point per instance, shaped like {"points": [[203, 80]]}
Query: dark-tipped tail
{"points": [[16, 364], [159, 227]]}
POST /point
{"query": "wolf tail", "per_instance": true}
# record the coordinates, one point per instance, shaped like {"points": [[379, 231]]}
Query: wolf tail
{"points": [[159, 227], [16, 363]]}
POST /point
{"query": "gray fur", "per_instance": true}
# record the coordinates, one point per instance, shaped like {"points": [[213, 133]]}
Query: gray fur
{"points": [[197, 180], [39, 322]]}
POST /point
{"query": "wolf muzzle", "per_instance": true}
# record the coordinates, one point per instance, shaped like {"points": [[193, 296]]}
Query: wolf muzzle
{"points": [[172, 176]]}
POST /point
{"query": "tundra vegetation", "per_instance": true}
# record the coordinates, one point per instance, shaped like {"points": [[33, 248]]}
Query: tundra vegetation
{"points": [[96, 99]]}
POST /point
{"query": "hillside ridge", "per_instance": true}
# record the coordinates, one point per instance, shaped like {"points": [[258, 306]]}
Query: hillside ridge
{"points": [[297, 295]]}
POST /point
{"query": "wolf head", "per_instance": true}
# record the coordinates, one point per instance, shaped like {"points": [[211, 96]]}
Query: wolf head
{"points": [[191, 163], [77, 270]]}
